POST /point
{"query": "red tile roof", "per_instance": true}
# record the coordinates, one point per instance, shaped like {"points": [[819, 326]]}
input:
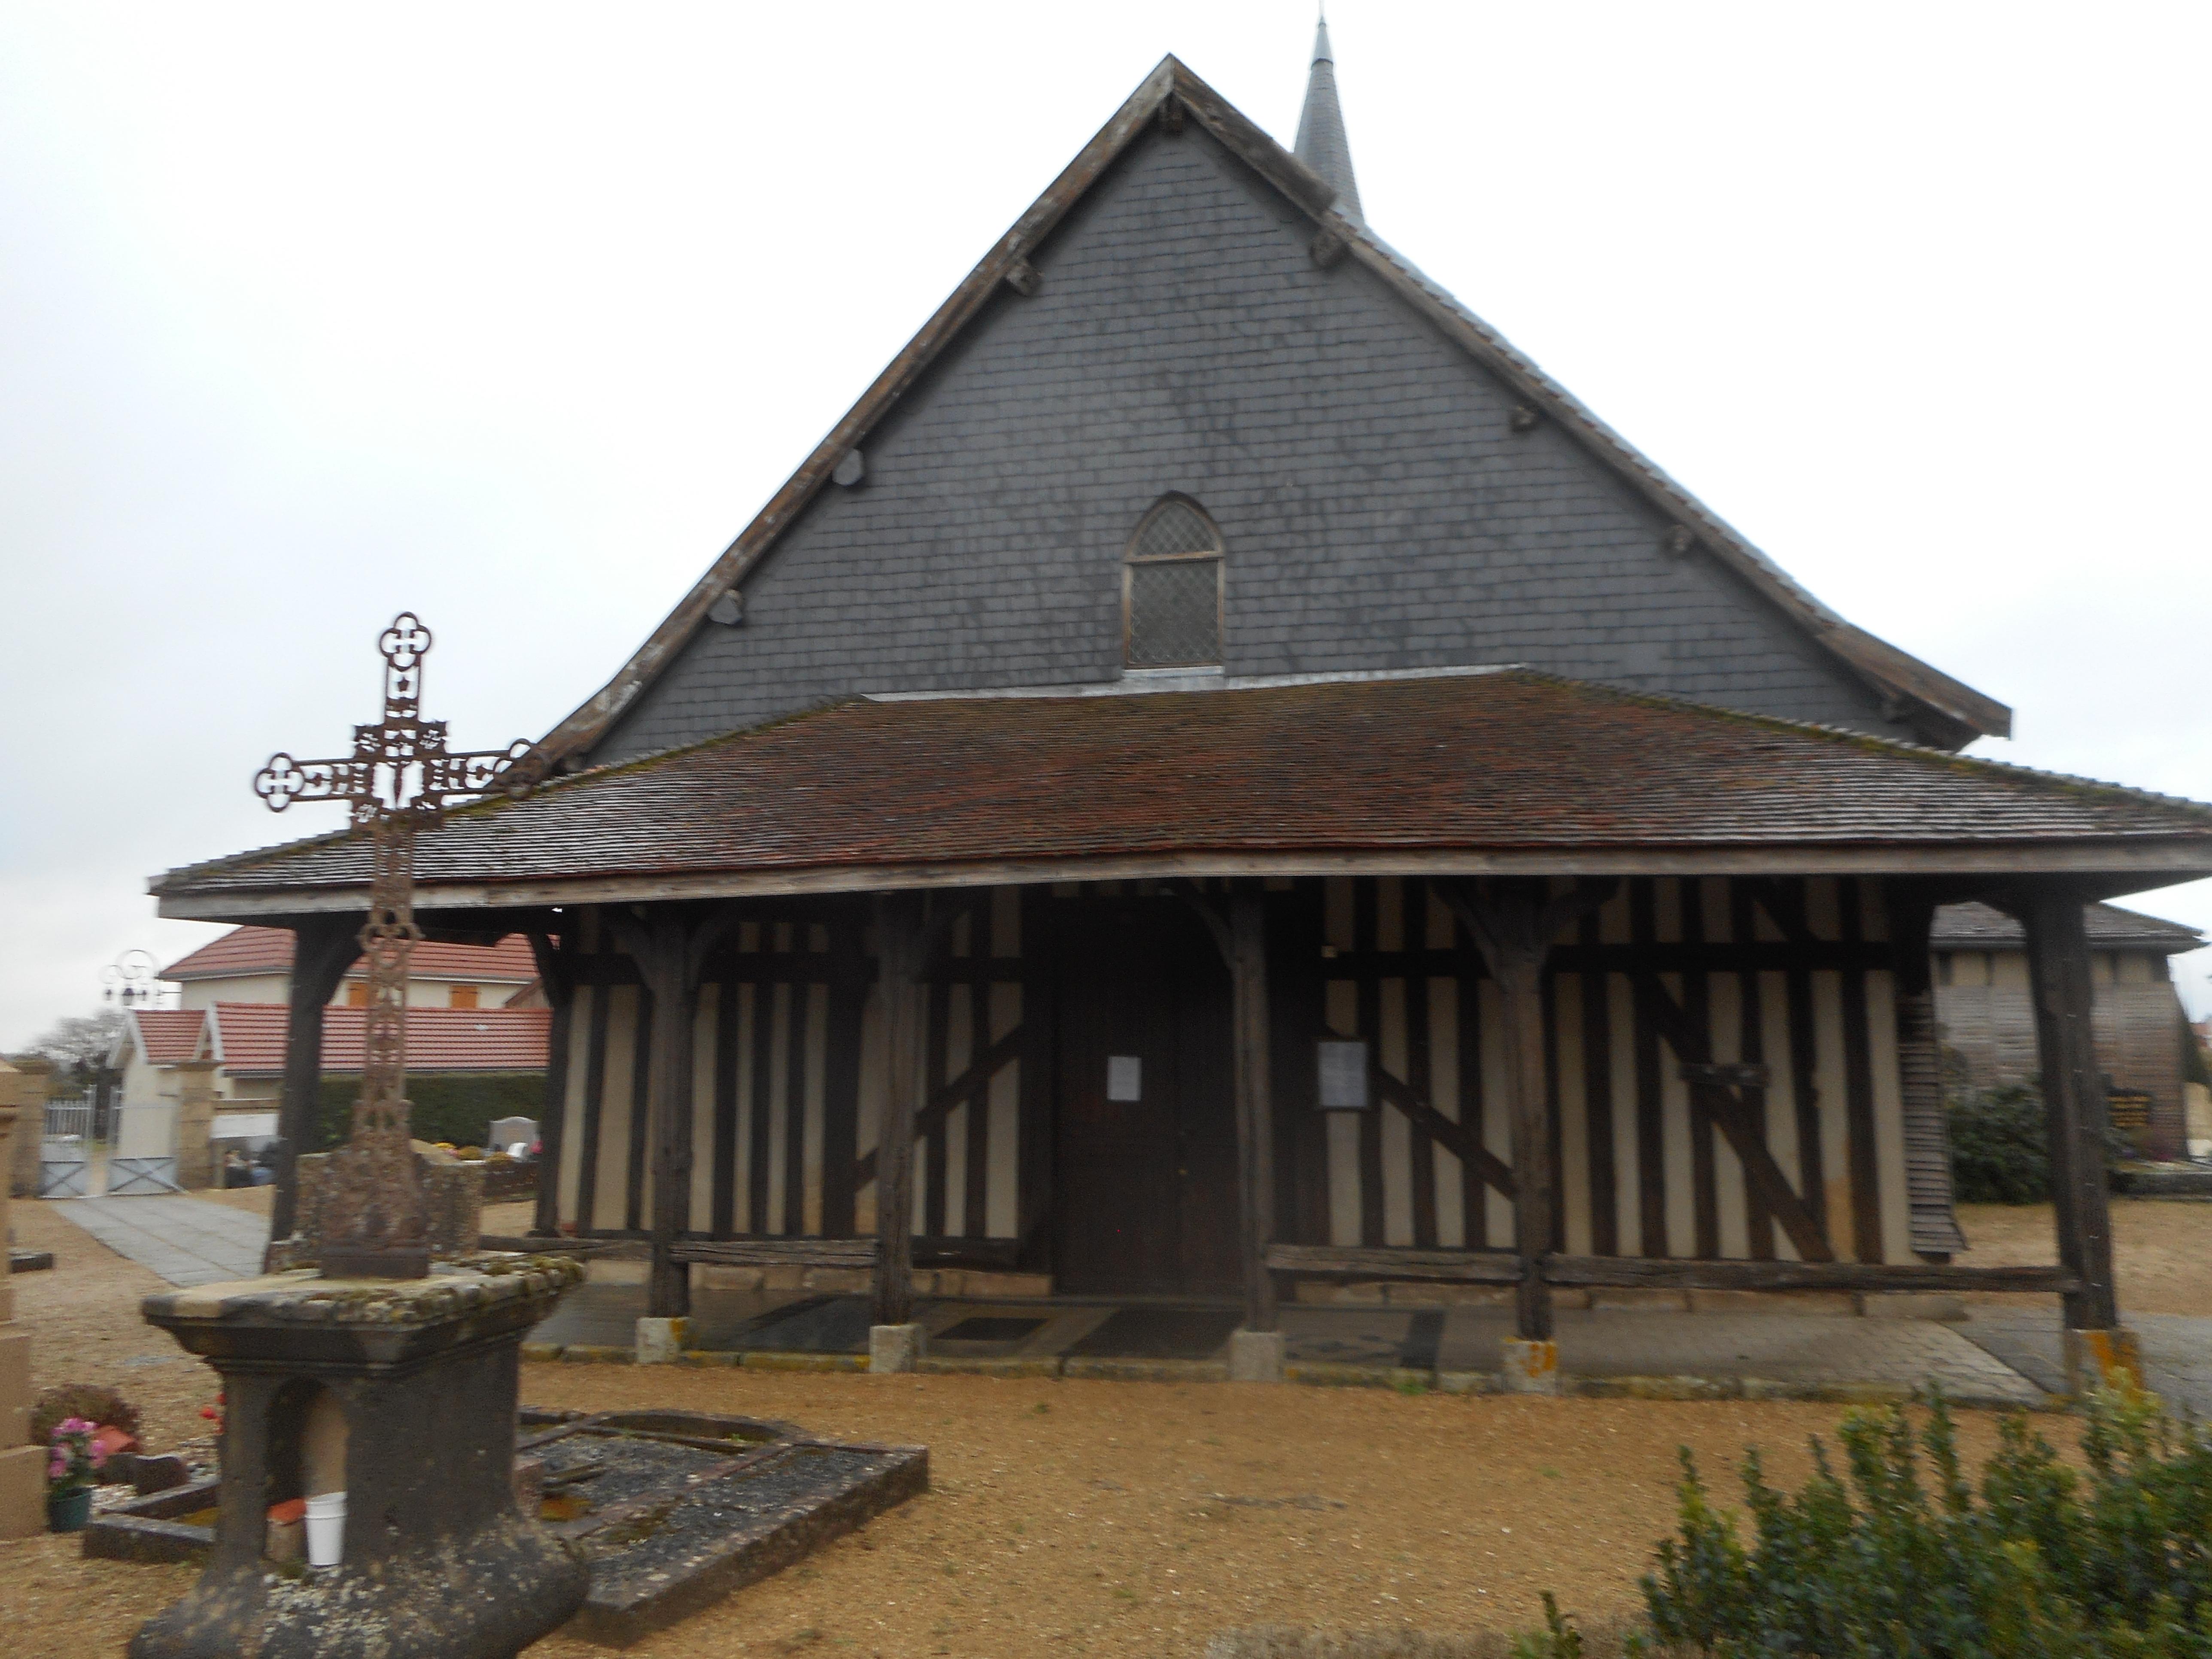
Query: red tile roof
{"points": [[251, 1039], [167, 1036], [245, 950], [1507, 761]]}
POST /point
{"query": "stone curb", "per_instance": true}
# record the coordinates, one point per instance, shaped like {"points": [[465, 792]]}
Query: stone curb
{"points": [[764, 1360], [1311, 1374], [1323, 1374], [944, 1364], [1145, 1371]]}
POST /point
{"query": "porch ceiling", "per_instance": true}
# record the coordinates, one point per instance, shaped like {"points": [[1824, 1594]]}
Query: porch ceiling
{"points": [[1508, 770]]}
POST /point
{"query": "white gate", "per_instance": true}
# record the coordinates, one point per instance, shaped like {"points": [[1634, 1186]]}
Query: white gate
{"points": [[65, 1148], [143, 1158]]}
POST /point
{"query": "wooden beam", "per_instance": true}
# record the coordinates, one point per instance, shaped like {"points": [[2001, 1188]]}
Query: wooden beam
{"points": [[1000, 1254], [780, 1252], [547, 951], [1254, 1100], [1513, 924], [1678, 1273], [670, 945], [1463, 1141], [946, 1096], [1240, 935], [1389, 1263], [1761, 1174], [595, 1083], [1501, 1268], [2073, 1096], [900, 948], [322, 949]]}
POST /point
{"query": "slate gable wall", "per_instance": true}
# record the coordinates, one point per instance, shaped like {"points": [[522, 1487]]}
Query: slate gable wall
{"points": [[1379, 511]]}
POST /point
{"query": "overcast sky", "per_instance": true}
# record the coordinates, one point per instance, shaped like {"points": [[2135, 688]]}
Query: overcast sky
{"points": [[515, 315]]}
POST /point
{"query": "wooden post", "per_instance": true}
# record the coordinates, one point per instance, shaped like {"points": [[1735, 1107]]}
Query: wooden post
{"points": [[1513, 923], [323, 948], [1254, 1100], [899, 941], [549, 950], [2073, 1096], [670, 948]]}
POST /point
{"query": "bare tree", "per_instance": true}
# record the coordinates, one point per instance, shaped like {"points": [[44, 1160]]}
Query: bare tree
{"points": [[80, 1044]]}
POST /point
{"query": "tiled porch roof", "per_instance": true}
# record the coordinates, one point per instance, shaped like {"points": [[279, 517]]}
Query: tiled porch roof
{"points": [[1482, 762], [246, 951], [168, 1035]]}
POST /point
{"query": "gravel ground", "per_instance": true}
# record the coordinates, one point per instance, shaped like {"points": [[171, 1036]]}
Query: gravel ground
{"points": [[2160, 1247], [1106, 1519]]}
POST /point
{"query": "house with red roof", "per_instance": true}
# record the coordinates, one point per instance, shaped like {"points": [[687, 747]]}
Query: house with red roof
{"points": [[473, 1008], [254, 964]]}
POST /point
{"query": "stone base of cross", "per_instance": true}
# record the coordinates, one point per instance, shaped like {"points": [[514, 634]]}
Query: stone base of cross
{"points": [[400, 777]]}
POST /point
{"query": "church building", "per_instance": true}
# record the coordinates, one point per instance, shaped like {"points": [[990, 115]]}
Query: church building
{"points": [[1218, 775]]}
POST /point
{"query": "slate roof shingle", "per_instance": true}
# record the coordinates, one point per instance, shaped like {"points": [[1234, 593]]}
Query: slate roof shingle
{"points": [[1979, 927]]}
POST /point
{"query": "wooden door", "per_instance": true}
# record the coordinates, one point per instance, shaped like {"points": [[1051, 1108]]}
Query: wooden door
{"points": [[1145, 1187]]}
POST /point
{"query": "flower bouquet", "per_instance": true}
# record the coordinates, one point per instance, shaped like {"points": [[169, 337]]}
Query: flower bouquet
{"points": [[73, 1454]]}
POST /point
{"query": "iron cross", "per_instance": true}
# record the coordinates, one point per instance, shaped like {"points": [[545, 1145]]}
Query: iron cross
{"points": [[399, 778]]}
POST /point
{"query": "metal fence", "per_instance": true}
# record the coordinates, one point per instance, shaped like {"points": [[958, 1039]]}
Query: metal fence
{"points": [[65, 1148], [143, 1158]]}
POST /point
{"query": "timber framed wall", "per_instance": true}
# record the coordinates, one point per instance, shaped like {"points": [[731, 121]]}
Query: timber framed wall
{"points": [[788, 1065], [1693, 1027], [1727, 1075]]}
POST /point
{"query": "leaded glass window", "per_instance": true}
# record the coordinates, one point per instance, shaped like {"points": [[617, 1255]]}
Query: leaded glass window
{"points": [[1171, 588]]}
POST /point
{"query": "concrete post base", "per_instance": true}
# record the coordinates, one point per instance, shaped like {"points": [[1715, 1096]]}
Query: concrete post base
{"points": [[1529, 1367], [2102, 1359], [662, 1341], [1255, 1356], [894, 1347], [22, 1492]]}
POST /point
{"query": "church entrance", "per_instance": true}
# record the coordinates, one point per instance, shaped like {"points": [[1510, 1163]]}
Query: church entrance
{"points": [[1145, 1189]]}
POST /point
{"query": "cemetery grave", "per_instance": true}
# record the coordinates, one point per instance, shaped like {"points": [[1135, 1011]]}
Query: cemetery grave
{"points": [[675, 1509]]}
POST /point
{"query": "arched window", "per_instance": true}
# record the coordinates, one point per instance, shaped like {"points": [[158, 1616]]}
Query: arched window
{"points": [[1171, 588]]}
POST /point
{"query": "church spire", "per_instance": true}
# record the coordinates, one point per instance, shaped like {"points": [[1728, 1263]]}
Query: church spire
{"points": [[1320, 144]]}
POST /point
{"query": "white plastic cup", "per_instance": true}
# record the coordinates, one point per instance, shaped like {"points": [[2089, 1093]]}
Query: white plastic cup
{"points": [[325, 1529]]}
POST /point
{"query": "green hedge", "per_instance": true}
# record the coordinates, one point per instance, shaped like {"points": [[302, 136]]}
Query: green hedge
{"points": [[1897, 1553], [2000, 1148], [458, 1107]]}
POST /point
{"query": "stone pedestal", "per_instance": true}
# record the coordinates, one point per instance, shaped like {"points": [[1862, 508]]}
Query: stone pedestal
{"points": [[195, 1167], [1529, 1367], [401, 1393], [894, 1347], [1255, 1356], [22, 1466], [452, 1207], [34, 1079]]}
